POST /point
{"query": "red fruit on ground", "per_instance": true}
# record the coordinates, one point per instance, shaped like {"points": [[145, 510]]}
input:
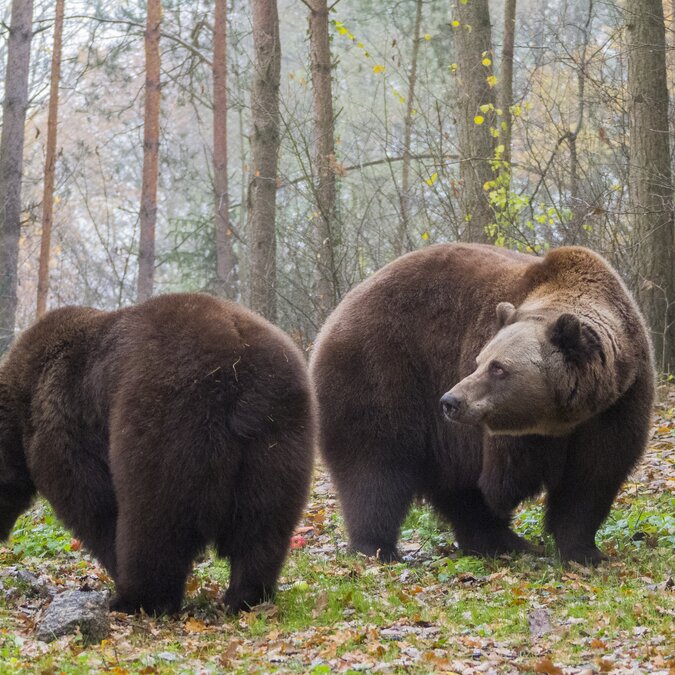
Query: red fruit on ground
{"points": [[298, 541]]}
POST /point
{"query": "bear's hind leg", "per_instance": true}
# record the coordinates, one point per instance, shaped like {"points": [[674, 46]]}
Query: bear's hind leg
{"points": [[478, 529], [154, 558], [374, 504], [254, 573], [166, 477], [268, 500]]}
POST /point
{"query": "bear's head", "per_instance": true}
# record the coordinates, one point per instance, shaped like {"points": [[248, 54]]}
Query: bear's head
{"points": [[540, 374]]}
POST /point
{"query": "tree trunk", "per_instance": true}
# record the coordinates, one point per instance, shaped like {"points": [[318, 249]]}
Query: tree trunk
{"points": [[650, 182], [148, 217], [226, 262], [474, 60], [575, 233], [327, 233], [242, 218], [506, 78], [11, 160], [265, 140], [50, 164], [403, 243]]}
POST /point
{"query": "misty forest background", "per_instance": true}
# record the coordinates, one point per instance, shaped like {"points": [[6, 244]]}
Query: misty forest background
{"points": [[280, 155]]}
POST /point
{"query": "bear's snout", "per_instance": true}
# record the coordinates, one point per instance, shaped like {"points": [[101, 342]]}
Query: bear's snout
{"points": [[450, 405]]}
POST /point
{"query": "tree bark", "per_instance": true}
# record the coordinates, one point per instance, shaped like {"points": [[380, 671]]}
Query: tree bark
{"points": [[575, 233], [11, 160], [226, 261], [327, 232], [474, 44], [650, 183], [148, 216], [403, 243], [242, 216], [265, 140], [50, 164], [506, 78]]}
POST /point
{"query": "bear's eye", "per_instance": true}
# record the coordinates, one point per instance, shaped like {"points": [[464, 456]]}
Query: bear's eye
{"points": [[497, 370]]}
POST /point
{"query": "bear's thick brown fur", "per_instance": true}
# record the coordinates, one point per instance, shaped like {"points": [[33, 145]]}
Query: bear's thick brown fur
{"points": [[560, 398], [155, 430]]}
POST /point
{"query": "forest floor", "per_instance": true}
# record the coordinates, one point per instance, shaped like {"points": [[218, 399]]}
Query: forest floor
{"points": [[436, 612]]}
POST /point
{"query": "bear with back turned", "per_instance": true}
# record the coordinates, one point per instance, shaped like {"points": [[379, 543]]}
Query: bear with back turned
{"points": [[545, 372], [156, 430]]}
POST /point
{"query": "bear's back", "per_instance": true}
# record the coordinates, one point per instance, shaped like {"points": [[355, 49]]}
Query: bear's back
{"points": [[83, 359], [231, 362], [195, 333], [444, 275], [69, 335], [407, 306]]}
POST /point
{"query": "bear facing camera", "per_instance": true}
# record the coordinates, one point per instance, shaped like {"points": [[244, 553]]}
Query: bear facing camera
{"points": [[156, 430], [476, 377]]}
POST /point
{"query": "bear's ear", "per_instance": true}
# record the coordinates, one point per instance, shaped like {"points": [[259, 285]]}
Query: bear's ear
{"points": [[577, 341], [505, 311]]}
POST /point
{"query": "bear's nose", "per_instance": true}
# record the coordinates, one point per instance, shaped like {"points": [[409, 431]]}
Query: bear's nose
{"points": [[450, 405]]}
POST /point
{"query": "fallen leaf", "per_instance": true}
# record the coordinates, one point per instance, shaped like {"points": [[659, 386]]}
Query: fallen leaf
{"points": [[320, 604], [192, 585], [303, 530], [545, 665], [605, 666], [193, 625]]}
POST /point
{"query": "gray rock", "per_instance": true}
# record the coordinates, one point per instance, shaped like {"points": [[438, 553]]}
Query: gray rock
{"points": [[35, 585], [401, 632], [540, 622], [168, 656], [86, 610]]}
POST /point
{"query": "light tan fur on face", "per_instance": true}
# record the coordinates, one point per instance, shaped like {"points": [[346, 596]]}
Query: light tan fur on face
{"points": [[517, 346], [521, 402]]}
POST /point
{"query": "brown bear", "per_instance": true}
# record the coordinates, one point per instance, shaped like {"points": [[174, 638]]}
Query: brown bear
{"points": [[548, 361], [156, 430]]}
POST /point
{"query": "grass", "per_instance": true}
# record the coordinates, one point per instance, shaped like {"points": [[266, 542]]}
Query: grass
{"points": [[335, 612], [339, 604]]}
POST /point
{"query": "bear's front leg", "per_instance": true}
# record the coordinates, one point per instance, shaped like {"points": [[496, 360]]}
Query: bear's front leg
{"points": [[74, 477], [573, 518], [514, 468], [15, 498], [601, 454], [16, 487]]}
